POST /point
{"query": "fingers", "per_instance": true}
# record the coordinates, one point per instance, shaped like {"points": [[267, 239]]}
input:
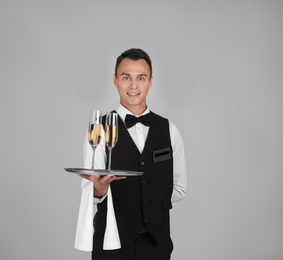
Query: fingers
{"points": [[107, 179], [120, 178], [102, 180], [112, 178]]}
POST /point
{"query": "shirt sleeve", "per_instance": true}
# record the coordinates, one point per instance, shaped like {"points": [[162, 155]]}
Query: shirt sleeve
{"points": [[179, 164]]}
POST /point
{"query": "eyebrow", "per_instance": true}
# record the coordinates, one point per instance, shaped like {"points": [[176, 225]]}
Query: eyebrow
{"points": [[125, 74], [128, 74], [142, 74]]}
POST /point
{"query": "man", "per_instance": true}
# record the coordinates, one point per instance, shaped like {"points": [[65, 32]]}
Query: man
{"points": [[152, 145]]}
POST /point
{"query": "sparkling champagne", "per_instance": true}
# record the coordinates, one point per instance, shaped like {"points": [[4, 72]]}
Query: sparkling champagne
{"points": [[111, 136], [94, 134]]}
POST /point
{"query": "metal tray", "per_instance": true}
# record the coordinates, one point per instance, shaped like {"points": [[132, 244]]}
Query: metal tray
{"points": [[102, 172]]}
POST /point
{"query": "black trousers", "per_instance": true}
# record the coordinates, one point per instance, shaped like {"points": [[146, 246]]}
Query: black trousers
{"points": [[143, 248]]}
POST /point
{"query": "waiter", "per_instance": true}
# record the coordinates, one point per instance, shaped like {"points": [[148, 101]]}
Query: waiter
{"points": [[148, 143]]}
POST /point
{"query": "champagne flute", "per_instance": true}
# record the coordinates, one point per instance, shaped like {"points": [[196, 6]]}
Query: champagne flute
{"points": [[94, 131], [111, 135]]}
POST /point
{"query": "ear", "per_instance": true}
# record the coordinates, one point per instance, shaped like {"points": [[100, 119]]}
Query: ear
{"points": [[115, 80], [150, 82]]}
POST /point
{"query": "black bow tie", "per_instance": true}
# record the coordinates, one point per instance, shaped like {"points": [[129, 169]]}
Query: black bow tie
{"points": [[131, 120]]}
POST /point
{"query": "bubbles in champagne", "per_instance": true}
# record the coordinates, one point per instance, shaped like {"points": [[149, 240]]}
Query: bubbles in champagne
{"points": [[111, 136], [94, 134]]}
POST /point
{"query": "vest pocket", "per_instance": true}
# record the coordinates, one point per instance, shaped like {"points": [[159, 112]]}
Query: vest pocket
{"points": [[162, 155], [167, 204]]}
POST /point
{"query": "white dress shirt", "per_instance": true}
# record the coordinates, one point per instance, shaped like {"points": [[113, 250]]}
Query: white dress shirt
{"points": [[139, 134]]}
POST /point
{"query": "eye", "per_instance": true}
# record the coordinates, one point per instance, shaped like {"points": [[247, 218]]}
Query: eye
{"points": [[126, 77], [141, 78]]}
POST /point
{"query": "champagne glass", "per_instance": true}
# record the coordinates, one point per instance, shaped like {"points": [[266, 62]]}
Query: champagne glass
{"points": [[111, 135], [94, 131]]}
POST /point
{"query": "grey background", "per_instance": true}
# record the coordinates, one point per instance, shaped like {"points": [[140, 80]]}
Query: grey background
{"points": [[217, 75]]}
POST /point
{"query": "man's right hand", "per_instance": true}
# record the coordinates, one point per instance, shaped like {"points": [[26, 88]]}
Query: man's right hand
{"points": [[100, 183]]}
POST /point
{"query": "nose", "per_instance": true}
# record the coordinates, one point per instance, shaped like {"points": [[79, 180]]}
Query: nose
{"points": [[133, 84]]}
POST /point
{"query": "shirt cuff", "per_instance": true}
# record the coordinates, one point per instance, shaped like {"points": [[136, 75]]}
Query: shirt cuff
{"points": [[98, 200]]}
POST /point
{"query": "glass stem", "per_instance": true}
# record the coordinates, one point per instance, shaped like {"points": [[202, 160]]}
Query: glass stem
{"points": [[109, 161], [92, 162]]}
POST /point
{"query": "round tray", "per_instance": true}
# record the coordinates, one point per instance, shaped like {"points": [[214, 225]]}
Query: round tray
{"points": [[102, 172]]}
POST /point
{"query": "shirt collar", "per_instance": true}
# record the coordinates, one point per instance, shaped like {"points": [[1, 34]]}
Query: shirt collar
{"points": [[122, 111]]}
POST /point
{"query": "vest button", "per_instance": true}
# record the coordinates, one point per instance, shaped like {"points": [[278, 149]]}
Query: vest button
{"points": [[145, 201], [145, 220], [142, 163], [144, 182]]}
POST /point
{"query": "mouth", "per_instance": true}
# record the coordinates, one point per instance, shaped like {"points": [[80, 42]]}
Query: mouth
{"points": [[133, 94]]}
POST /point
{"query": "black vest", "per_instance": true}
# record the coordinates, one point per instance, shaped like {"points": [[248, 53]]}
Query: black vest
{"points": [[144, 200]]}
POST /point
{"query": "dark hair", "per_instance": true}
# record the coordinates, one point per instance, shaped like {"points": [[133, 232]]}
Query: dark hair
{"points": [[134, 54]]}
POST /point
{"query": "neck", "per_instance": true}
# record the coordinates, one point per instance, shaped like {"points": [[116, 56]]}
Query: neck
{"points": [[136, 110]]}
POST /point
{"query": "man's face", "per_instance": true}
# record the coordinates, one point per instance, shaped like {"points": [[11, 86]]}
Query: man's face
{"points": [[133, 82]]}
